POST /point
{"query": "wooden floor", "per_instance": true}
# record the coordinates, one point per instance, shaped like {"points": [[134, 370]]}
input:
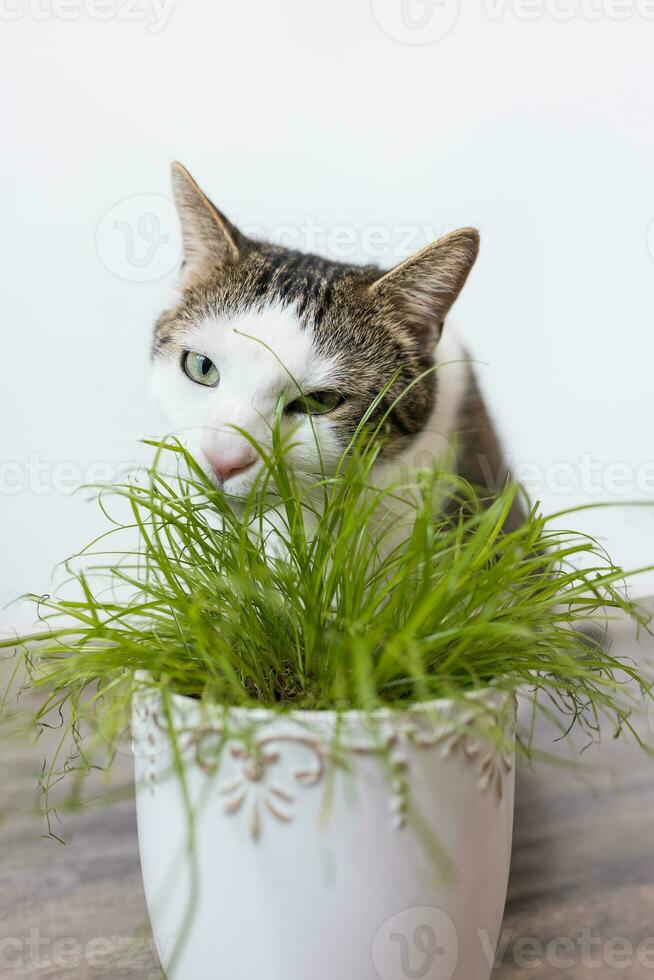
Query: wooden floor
{"points": [[581, 894]]}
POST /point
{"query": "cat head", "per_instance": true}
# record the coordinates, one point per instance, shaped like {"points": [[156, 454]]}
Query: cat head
{"points": [[257, 321]]}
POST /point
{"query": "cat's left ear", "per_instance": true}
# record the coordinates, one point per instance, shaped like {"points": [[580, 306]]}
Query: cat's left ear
{"points": [[421, 290], [209, 238]]}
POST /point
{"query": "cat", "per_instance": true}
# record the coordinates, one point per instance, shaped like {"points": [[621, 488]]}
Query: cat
{"points": [[255, 321]]}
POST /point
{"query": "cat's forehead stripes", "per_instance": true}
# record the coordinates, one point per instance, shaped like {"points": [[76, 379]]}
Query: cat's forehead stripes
{"points": [[270, 275], [309, 281]]}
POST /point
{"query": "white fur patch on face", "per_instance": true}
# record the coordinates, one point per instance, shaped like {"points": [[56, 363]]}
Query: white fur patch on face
{"points": [[260, 355]]}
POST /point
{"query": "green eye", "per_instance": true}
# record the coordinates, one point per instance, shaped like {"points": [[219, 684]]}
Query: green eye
{"points": [[200, 369], [317, 403]]}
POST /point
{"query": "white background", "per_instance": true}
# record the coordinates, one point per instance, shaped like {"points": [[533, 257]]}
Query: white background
{"points": [[537, 129]]}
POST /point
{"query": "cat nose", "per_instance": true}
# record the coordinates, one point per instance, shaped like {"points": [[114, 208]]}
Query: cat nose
{"points": [[228, 464]]}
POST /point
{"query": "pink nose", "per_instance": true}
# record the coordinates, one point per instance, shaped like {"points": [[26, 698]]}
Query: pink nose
{"points": [[229, 464]]}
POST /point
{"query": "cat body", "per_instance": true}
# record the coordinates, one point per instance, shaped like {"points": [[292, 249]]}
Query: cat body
{"points": [[257, 321]]}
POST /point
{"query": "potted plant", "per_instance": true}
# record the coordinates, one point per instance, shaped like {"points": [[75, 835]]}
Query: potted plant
{"points": [[324, 709]]}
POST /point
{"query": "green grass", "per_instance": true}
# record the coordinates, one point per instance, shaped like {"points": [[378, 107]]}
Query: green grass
{"points": [[305, 596]]}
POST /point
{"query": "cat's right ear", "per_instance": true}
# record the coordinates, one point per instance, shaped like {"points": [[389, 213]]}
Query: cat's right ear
{"points": [[209, 239], [420, 291]]}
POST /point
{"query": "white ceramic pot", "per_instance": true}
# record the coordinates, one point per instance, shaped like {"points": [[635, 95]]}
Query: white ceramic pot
{"points": [[315, 856]]}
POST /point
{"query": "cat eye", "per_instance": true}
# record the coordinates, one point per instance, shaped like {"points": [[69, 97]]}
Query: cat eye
{"points": [[200, 369], [317, 403]]}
